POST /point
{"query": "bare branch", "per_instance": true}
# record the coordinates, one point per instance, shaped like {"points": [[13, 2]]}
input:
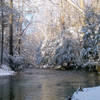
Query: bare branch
{"points": [[77, 7], [26, 27], [54, 3]]}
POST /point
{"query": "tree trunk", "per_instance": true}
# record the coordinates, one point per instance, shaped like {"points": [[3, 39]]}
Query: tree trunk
{"points": [[11, 29], [20, 28], [2, 34], [11, 35]]}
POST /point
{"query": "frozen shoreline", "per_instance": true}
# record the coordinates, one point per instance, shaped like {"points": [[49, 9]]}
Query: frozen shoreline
{"points": [[5, 70], [87, 94]]}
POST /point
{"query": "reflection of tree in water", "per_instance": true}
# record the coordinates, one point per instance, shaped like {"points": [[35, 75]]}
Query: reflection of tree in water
{"points": [[11, 92], [1, 96], [93, 79], [11, 95], [97, 80]]}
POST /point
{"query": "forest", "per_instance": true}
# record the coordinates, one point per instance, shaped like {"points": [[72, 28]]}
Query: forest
{"points": [[50, 37]]}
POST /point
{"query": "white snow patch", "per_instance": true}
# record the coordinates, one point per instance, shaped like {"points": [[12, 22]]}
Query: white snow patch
{"points": [[87, 94], [5, 70]]}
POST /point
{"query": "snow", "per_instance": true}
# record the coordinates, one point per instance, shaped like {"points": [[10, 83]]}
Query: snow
{"points": [[59, 51], [5, 70], [87, 94]]}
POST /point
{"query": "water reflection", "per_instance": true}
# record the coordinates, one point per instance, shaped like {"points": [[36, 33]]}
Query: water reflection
{"points": [[45, 84]]}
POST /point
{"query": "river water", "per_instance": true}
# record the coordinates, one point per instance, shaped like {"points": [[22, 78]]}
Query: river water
{"points": [[41, 84]]}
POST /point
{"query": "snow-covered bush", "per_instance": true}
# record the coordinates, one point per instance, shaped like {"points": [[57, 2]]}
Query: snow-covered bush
{"points": [[18, 62], [91, 37], [6, 70], [60, 51]]}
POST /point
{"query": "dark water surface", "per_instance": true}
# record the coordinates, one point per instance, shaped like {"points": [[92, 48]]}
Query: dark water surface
{"points": [[37, 84]]}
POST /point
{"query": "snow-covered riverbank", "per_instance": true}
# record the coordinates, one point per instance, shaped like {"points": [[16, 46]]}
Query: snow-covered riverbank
{"points": [[5, 70], [87, 94]]}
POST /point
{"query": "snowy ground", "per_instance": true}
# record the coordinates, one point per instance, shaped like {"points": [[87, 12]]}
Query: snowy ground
{"points": [[87, 94], [5, 70]]}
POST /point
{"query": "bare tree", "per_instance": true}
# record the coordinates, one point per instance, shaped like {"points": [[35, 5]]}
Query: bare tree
{"points": [[11, 34], [2, 26], [11, 29]]}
